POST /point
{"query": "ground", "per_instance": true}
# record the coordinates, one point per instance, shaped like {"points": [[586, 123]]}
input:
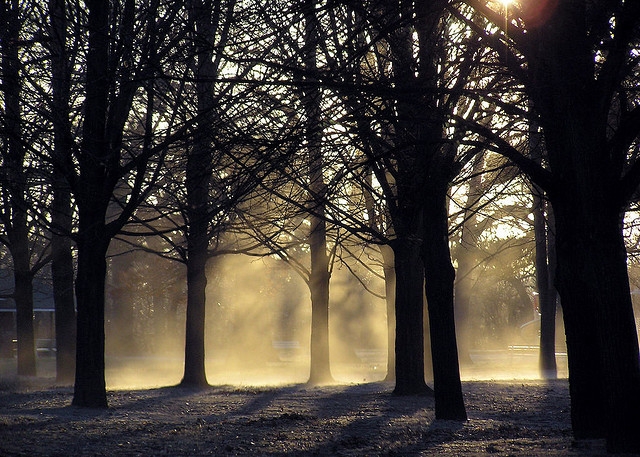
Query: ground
{"points": [[506, 418]]}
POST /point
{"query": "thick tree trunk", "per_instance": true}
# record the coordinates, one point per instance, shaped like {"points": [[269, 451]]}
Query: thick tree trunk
{"points": [[409, 318], [575, 112], [194, 352], [592, 277], [602, 345], [439, 281], [198, 178], [92, 200], [90, 386], [198, 242]]}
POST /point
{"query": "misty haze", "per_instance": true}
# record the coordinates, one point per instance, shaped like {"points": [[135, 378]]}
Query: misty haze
{"points": [[317, 227]]}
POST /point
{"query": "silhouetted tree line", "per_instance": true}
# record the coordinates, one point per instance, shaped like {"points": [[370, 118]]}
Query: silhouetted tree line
{"points": [[303, 130]]}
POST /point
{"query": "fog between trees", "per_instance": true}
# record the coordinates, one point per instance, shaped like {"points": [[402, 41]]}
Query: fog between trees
{"points": [[359, 155]]}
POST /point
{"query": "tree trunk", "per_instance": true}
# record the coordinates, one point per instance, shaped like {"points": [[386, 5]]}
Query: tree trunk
{"points": [[409, 318], [602, 345], [588, 200], [92, 200], [23, 296], [320, 370], [439, 281], [467, 259], [390, 293], [199, 170], [546, 293], [62, 269], [198, 178], [194, 352], [90, 387], [15, 182]]}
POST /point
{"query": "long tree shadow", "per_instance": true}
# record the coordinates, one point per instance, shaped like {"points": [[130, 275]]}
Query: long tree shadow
{"points": [[361, 419]]}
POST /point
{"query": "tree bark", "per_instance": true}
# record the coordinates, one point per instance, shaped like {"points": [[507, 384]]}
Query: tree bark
{"points": [[390, 293], [90, 386], [199, 170], [92, 201], [439, 281], [602, 342], [575, 95], [406, 211], [194, 361], [320, 371], [198, 177], [546, 293], [62, 269], [409, 318], [592, 276]]}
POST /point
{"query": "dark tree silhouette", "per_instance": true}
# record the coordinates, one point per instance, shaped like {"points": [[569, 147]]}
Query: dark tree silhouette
{"points": [[14, 214], [203, 21], [545, 270], [415, 167], [108, 185], [21, 234], [320, 370], [62, 266], [577, 63]]}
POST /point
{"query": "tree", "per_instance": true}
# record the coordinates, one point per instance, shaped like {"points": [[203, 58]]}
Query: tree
{"points": [[467, 256], [109, 178], [62, 266], [442, 166], [207, 192], [319, 272], [204, 21], [414, 166], [15, 213], [577, 62], [22, 236], [545, 271]]}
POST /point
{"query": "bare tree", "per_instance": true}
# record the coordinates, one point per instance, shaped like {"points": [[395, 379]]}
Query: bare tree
{"points": [[109, 177], [578, 63], [22, 236], [319, 273], [62, 264], [205, 20]]}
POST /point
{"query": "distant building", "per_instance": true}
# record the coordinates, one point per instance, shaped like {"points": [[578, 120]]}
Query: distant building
{"points": [[43, 315]]}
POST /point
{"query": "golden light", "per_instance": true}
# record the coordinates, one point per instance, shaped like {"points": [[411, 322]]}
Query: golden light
{"points": [[505, 4]]}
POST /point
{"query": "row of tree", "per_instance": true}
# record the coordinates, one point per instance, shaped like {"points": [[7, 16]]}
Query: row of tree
{"points": [[326, 127]]}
